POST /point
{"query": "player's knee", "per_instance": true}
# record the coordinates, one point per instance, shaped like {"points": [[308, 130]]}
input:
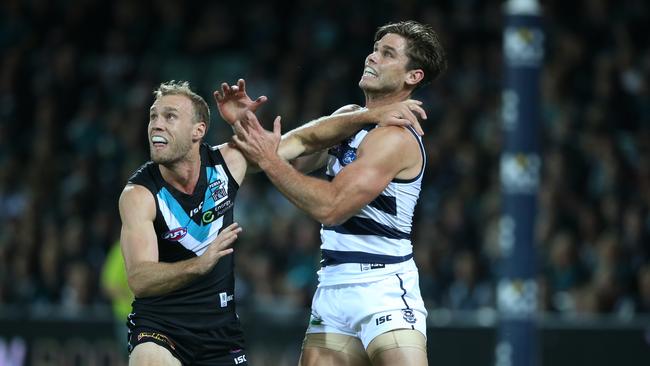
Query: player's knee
{"points": [[407, 340]]}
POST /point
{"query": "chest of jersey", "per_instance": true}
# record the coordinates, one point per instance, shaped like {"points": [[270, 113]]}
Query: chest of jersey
{"points": [[194, 221]]}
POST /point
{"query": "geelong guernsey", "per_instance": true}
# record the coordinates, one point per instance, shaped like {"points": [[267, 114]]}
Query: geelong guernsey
{"points": [[185, 225], [376, 241]]}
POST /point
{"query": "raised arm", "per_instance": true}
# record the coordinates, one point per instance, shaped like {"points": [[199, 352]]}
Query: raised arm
{"points": [[328, 131], [237, 108], [146, 275], [233, 101], [384, 154]]}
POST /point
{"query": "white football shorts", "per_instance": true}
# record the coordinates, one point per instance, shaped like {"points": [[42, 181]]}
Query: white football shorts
{"points": [[366, 310]]}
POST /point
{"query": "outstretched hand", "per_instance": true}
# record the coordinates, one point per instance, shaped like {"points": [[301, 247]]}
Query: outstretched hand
{"points": [[256, 143], [233, 102], [400, 114]]}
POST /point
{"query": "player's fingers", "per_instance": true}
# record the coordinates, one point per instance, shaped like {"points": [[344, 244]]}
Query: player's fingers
{"points": [[413, 101], [229, 235], [241, 84], [238, 141], [277, 126], [253, 122], [217, 96], [223, 253], [396, 120], [240, 131], [418, 128], [419, 110], [260, 100], [225, 88], [234, 89], [408, 115], [231, 227], [225, 240]]}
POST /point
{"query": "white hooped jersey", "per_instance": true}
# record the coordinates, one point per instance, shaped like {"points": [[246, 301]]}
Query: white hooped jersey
{"points": [[377, 240]]}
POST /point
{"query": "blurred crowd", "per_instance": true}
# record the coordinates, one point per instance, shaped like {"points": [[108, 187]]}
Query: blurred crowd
{"points": [[76, 78]]}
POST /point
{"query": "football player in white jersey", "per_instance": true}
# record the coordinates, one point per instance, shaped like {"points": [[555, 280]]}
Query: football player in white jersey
{"points": [[367, 309]]}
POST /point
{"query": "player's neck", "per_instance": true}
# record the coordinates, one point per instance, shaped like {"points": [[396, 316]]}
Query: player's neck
{"points": [[374, 100], [183, 174]]}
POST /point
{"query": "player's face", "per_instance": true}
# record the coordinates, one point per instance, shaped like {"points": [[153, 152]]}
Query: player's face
{"points": [[385, 68], [170, 128]]}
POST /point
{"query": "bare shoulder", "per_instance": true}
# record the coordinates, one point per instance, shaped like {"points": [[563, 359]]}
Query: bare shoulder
{"points": [[394, 138], [395, 148], [137, 200], [235, 160], [135, 194]]}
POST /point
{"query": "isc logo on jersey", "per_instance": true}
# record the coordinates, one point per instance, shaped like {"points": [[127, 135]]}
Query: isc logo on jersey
{"points": [[175, 234]]}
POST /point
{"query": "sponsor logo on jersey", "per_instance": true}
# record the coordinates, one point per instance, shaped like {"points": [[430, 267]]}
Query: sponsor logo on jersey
{"points": [[224, 298], [349, 156], [196, 209], [239, 359], [157, 336], [223, 207], [315, 320], [409, 316], [208, 217], [175, 234], [370, 266], [218, 189], [383, 319]]}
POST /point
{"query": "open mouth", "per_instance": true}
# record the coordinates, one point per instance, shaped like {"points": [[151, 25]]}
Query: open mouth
{"points": [[158, 141], [370, 72]]}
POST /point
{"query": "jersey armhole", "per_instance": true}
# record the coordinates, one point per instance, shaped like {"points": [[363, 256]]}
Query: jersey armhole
{"points": [[424, 159]]}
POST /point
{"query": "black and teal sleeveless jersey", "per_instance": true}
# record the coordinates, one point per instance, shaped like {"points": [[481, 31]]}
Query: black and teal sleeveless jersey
{"points": [[185, 226]]}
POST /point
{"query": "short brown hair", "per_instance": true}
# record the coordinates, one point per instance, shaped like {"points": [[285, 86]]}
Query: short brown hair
{"points": [[201, 109], [423, 48]]}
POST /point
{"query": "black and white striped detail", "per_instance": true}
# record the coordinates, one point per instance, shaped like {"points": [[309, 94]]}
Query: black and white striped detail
{"points": [[381, 231]]}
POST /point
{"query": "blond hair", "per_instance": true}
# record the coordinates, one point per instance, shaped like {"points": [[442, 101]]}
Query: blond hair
{"points": [[201, 109]]}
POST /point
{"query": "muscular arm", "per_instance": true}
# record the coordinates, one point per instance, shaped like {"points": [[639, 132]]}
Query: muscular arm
{"points": [[292, 146], [146, 275], [384, 154], [327, 131], [309, 161], [237, 109]]}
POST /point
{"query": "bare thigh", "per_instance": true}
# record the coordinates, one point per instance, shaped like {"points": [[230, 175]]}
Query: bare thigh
{"points": [[150, 354], [399, 347], [331, 349]]}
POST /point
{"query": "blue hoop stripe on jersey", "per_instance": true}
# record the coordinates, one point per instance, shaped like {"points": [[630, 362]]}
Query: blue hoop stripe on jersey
{"points": [[388, 204], [198, 232], [361, 226], [331, 257]]}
